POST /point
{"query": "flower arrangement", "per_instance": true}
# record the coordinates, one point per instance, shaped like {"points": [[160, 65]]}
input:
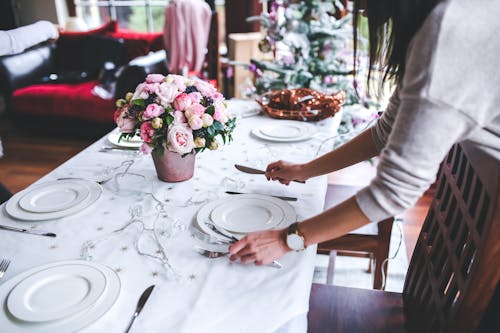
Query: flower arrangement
{"points": [[174, 112]]}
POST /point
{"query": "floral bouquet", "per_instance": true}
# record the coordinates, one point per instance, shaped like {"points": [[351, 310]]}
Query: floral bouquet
{"points": [[174, 112]]}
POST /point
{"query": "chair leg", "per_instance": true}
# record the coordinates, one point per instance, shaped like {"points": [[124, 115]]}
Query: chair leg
{"points": [[384, 231], [331, 267], [371, 260]]}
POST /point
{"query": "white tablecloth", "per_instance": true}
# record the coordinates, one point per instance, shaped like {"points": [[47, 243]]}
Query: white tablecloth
{"points": [[208, 295]]}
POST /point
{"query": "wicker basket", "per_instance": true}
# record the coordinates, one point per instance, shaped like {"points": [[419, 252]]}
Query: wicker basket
{"points": [[301, 104]]}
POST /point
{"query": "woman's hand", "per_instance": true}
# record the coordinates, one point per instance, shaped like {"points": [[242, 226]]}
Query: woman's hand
{"points": [[285, 172], [261, 248]]}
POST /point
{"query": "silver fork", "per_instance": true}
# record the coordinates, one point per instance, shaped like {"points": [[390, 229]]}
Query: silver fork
{"points": [[211, 254], [3, 267]]}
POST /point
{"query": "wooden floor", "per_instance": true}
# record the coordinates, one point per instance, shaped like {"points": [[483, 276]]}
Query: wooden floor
{"points": [[28, 157]]}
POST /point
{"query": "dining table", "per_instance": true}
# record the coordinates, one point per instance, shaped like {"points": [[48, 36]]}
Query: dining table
{"points": [[141, 229]]}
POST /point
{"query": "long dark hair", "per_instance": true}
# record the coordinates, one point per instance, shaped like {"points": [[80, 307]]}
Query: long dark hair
{"points": [[391, 25]]}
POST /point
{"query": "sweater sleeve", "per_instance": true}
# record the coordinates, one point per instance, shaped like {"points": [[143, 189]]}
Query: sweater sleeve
{"points": [[381, 130], [422, 134]]}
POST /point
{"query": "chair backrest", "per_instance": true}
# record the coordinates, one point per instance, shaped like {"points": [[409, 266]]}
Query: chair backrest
{"points": [[455, 267]]}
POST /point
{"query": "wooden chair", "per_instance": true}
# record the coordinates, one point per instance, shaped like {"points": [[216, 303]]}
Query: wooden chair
{"points": [[370, 241], [454, 270]]}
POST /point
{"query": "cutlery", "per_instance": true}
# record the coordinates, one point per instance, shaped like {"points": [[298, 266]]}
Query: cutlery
{"points": [[253, 171], [3, 267], [276, 196], [105, 149], [211, 254], [140, 304], [100, 182], [26, 231], [233, 239]]}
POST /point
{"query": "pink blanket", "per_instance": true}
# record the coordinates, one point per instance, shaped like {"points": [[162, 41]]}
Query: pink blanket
{"points": [[187, 24]]}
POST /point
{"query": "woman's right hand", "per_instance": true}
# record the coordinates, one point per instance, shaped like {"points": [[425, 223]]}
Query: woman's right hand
{"points": [[285, 172]]}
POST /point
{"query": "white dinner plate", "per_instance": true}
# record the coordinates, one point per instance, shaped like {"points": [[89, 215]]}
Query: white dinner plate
{"points": [[53, 196], [243, 108], [74, 323], [14, 210], [133, 142], [285, 131], [205, 211], [56, 292], [243, 215]]}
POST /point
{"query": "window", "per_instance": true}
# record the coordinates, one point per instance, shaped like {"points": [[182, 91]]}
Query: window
{"points": [[137, 15]]}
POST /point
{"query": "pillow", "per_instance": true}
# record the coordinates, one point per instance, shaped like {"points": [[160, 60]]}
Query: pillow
{"points": [[71, 46], [139, 43], [99, 50]]}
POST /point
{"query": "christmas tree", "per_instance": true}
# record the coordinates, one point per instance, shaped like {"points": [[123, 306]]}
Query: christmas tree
{"points": [[310, 44]]}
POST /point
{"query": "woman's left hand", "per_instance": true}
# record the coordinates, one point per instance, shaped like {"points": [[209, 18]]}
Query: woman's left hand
{"points": [[261, 248]]}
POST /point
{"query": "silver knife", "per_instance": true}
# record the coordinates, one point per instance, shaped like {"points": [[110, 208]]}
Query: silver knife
{"points": [[26, 231], [276, 196], [140, 304], [253, 171]]}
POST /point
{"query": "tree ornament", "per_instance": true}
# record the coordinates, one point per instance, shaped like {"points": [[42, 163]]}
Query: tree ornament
{"points": [[265, 45]]}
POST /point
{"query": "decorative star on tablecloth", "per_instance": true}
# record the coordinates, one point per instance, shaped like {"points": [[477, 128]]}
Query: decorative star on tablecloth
{"points": [[192, 277]]}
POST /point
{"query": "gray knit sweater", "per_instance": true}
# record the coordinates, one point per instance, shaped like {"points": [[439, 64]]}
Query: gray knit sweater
{"points": [[450, 93]]}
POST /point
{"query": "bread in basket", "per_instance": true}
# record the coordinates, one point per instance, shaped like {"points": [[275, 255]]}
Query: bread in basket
{"points": [[301, 104]]}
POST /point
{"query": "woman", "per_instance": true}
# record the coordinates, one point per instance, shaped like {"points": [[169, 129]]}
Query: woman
{"points": [[444, 57]]}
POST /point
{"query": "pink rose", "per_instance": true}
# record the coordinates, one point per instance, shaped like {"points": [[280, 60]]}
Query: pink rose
{"points": [[182, 102], [154, 78], [195, 110], [151, 87], [217, 97], [205, 88], [153, 111], [124, 122], [140, 92], [195, 97], [147, 132], [167, 92], [179, 117], [195, 122], [145, 149], [180, 139]]}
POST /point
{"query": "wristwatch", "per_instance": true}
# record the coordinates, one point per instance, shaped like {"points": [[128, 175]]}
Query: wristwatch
{"points": [[294, 238]]}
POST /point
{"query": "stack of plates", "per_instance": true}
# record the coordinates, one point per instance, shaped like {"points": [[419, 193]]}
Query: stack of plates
{"points": [[58, 297], [134, 142], [244, 213], [53, 200], [285, 131]]}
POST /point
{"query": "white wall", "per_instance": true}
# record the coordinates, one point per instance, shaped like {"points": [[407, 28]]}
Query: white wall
{"points": [[30, 11]]}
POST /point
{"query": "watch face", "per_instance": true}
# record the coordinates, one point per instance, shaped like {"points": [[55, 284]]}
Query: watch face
{"points": [[295, 242]]}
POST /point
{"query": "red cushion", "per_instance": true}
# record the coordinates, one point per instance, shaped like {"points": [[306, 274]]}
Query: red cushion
{"points": [[139, 43], [68, 100]]}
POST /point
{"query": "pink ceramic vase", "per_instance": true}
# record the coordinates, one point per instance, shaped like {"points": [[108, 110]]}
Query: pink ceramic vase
{"points": [[172, 167]]}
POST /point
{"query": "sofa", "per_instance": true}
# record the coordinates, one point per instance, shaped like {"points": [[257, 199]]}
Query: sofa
{"points": [[58, 86]]}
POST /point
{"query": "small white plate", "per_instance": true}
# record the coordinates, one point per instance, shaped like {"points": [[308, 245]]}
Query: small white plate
{"points": [[205, 211], [243, 215], [74, 323], [14, 210], [56, 292], [52, 197], [134, 142], [288, 131], [285, 131]]}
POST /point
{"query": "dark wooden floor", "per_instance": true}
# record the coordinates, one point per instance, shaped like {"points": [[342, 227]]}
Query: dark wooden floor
{"points": [[28, 157]]}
